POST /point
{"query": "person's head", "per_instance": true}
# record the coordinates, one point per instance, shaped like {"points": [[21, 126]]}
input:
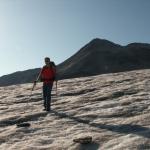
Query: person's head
{"points": [[47, 60]]}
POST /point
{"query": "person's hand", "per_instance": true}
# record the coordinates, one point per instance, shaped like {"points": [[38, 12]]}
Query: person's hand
{"points": [[35, 82]]}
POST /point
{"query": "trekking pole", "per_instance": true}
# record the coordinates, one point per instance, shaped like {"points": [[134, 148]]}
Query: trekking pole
{"points": [[27, 105], [34, 84], [56, 87]]}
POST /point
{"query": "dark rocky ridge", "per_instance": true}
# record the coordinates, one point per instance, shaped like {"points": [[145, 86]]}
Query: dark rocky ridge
{"points": [[102, 56], [19, 77], [97, 57]]}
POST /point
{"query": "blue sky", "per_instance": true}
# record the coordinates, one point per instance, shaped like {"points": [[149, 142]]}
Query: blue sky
{"points": [[33, 29]]}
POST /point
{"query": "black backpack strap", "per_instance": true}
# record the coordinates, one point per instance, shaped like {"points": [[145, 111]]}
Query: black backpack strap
{"points": [[53, 64]]}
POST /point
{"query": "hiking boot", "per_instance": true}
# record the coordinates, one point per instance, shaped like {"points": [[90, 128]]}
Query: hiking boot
{"points": [[48, 109], [44, 109]]}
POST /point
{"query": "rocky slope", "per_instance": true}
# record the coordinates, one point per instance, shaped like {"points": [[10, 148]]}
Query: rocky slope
{"points": [[114, 109], [97, 57], [19, 77], [102, 56]]}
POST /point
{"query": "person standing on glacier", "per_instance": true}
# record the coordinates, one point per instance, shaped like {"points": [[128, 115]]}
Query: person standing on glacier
{"points": [[47, 75]]}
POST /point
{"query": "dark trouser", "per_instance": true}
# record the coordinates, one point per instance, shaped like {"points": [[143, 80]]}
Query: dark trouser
{"points": [[47, 88]]}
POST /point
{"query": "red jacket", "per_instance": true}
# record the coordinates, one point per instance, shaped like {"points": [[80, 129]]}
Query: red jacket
{"points": [[48, 74]]}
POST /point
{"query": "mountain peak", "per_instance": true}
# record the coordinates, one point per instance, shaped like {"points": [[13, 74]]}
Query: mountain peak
{"points": [[98, 40], [102, 42]]}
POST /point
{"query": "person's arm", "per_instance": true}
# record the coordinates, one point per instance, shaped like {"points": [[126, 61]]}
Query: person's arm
{"points": [[35, 81], [39, 76]]}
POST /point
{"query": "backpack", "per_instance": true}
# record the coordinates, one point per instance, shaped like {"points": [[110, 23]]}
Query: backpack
{"points": [[53, 66]]}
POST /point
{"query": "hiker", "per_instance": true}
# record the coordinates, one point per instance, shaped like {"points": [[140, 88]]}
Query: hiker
{"points": [[47, 76]]}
